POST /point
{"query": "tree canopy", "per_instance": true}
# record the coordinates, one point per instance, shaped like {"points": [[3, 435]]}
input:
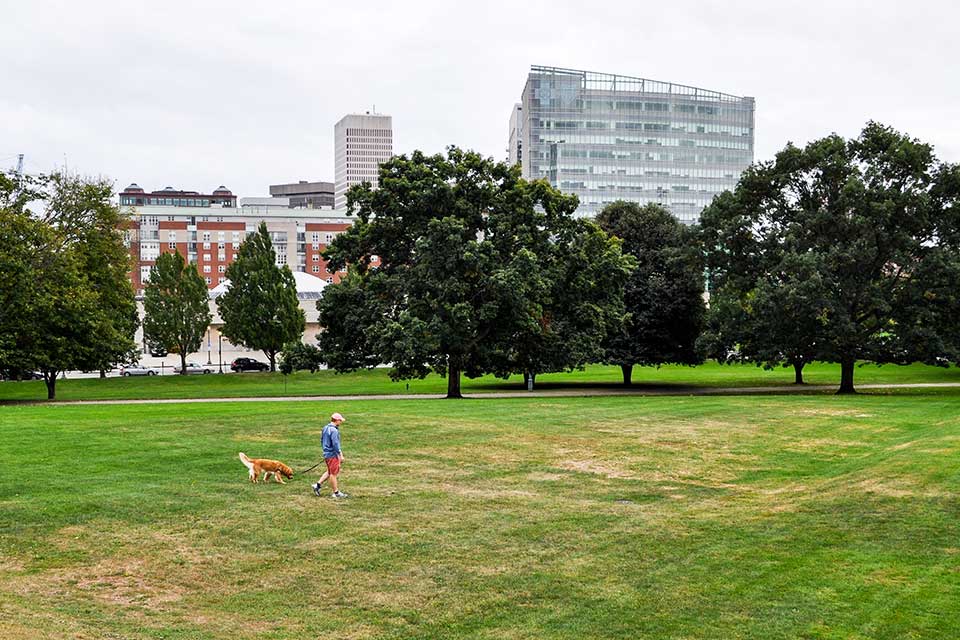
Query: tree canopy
{"points": [[843, 250], [663, 296], [68, 303], [176, 307], [466, 271], [260, 309]]}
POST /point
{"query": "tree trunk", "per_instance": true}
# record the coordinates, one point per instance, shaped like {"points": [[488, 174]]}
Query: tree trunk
{"points": [[183, 362], [846, 375], [103, 373], [50, 377], [798, 371], [453, 381], [627, 370], [529, 379]]}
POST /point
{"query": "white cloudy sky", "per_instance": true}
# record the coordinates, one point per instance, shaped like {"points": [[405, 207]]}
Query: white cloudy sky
{"points": [[198, 94]]}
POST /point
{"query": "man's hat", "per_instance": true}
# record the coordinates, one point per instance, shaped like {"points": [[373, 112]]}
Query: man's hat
{"points": [[337, 416]]}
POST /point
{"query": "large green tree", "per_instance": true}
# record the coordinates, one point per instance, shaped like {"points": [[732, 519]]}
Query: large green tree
{"points": [[774, 323], [663, 296], [81, 209], [260, 309], [67, 301], [176, 307], [583, 272], [855, 239], [461, 272]]}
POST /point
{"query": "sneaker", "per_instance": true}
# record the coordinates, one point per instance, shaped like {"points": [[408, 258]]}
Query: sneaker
{"points": [[316, 488], [339, 494]]}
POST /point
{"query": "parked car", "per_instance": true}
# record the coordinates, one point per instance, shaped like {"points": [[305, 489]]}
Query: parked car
{"points": [[158, 352], [14, 374], [248, 364], [193, 367], [139, 370]]}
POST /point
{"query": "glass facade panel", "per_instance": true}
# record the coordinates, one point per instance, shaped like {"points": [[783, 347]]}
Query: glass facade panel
{"points": [[606, 137]]}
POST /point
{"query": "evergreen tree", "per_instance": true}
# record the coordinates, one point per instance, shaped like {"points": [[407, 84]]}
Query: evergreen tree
{"points": [[176, 307], [260, 309]]}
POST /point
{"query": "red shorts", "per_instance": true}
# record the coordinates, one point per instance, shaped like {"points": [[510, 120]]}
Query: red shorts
{"points": [[333, 465]]}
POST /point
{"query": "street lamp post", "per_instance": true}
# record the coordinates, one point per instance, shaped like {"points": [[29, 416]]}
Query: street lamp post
{"points": [[209, 360], [220, 350]]}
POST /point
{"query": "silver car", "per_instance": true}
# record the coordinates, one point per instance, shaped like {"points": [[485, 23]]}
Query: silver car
{"points": [[193, 367], [139, 370]]}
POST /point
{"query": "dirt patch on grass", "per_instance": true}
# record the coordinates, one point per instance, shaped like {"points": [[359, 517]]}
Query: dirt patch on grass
{"points": [[604, 468], [830, 444], [831, 412], [486, 494], [124, 583], [898, 488], [546, 477]]}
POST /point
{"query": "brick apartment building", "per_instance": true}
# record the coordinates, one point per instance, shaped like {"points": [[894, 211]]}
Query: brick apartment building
{"points": [[207, 229]]}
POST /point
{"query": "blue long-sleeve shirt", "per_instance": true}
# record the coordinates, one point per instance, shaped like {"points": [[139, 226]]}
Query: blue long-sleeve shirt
{"points": [[330, 441]]}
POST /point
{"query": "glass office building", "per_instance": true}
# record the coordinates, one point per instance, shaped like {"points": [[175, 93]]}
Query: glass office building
{"points": [[607, 137]]}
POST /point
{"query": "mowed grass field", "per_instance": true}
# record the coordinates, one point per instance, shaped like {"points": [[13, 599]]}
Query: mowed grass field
{"points": [[620, 517], [377, 382]]}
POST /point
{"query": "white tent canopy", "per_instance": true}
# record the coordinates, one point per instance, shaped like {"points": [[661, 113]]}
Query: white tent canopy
{"points": [[308, 287]]}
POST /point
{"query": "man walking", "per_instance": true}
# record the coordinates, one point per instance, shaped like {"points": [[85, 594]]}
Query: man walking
{"points": [[332, 455]]}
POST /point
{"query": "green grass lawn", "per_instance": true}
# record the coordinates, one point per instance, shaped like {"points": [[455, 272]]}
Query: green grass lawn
{"points": [[619, 517], [377, 382]]}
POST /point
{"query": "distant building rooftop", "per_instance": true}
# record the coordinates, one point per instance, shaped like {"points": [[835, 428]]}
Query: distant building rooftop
{"points": [[135, 196]]}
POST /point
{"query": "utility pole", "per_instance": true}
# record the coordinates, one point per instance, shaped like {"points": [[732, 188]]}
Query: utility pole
{"points": [[19, 165]]}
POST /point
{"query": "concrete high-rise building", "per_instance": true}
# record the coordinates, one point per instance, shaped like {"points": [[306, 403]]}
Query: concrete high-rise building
{"points": [[607, 137], [362, 142], [304, 194]]}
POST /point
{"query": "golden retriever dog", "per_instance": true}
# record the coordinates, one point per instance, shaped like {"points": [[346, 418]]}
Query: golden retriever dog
{"points": [[268, 468]]}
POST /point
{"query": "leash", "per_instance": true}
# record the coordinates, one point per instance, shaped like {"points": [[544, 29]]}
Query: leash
{"points": [[310, 469]]}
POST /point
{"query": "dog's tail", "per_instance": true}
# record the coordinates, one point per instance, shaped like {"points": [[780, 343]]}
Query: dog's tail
{"points": [[246, 461]]}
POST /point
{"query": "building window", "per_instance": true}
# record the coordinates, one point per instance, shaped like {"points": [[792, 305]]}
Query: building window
{"points": [[316, 247], [315, 237], [316, 257], [172, 246], [281, 259], [315, 268], [221, 246], [221, 256], [330, 279], [236, 237], [374, 259], [222, 269], [221, 235], [220, 280], [207, 280], [144, 274], [206, 269], [343, 269], [206, 245], [329, 238], [206, 257], [234, 256], [206, 236]]}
